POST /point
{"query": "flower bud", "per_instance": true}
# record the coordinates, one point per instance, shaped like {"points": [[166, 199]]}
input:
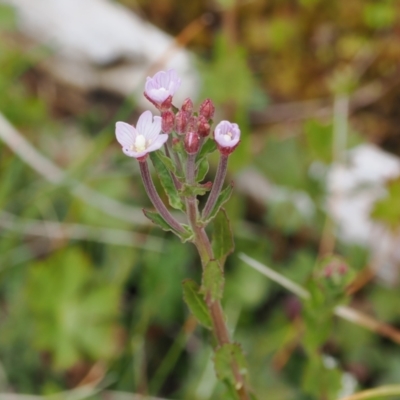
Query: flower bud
{"points": [[192, 142], [187, 106], [192, 124], [207, 109], [181, 121], [166, 104], [203, 126], [167, 121]]}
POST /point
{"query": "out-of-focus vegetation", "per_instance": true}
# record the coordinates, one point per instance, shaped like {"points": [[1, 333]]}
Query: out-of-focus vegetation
{"points": [[101, 303]]}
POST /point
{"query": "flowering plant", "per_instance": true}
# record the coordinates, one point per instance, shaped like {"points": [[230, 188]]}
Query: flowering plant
{"points": [[178, 144]]}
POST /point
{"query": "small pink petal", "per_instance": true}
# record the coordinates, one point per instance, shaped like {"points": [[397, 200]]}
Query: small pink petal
{"points": [[125, 133]]}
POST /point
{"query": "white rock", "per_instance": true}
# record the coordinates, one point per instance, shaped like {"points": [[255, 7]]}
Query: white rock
{"points": [[99, 44], [352, 191]]}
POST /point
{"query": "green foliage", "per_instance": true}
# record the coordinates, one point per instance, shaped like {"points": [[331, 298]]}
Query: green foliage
{"points": [[229, 79], [380, 14], [202, 170], [222, 237], [196, 303], [225, 356], [387, 209], [319, 140], [290, 153], [208, 147], [157, 219], [222, 199], [7, 17], [75, 315], [68, 315], [321, 381], [159, 281], [166, 180]]}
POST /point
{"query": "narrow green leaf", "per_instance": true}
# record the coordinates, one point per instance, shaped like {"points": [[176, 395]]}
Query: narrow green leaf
{"points": [[213, 280], [202, 170], [166, 181], [222, 199], [196, 303], [227, 356], [222, 238], [166, 161], [208, 147], [195, 190], [160, 221]]}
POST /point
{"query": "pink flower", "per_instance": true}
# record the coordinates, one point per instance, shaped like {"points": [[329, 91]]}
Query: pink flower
{"points": [[227, 136], [146, 137], [162, 85]]}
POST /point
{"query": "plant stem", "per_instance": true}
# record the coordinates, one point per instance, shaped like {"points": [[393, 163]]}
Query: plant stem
{"points": [[155, 198], [168, 152], [217, 186], [220, 329], [204, 248]]}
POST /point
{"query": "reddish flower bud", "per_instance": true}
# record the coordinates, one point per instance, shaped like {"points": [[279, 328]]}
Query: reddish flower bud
{"points": [[203, 126], [207, 109], [181, 121], [166, 104], [167, 121], [192, 124], [187, 106], [192, 142]]}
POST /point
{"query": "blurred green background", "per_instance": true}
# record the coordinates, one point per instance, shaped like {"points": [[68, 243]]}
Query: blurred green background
{"points": [[88, 297]]}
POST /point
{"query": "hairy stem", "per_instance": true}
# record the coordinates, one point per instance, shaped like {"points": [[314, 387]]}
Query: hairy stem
{"points": [[168, 152], [155, 198], [220, 329], [217, 186]]}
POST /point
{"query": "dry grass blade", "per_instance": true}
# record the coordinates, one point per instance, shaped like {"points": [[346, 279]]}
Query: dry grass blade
{"points": [[52, 173], [347, 313]]}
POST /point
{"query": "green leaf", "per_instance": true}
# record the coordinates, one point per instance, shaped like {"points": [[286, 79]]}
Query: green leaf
{"points": [[222, 238], [166, 161], [387, 209], [225, 357], [209, 146], [194, 190], [166, 181], [213, 280], [7, 17], [319, 140], [202, 170], [222, 199], [74, 315], [228, 66], [320, 381], [196, 303], [160, 221]]}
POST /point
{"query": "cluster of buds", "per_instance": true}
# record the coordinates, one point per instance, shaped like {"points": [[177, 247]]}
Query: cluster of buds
{"points": [[181, 132]]}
